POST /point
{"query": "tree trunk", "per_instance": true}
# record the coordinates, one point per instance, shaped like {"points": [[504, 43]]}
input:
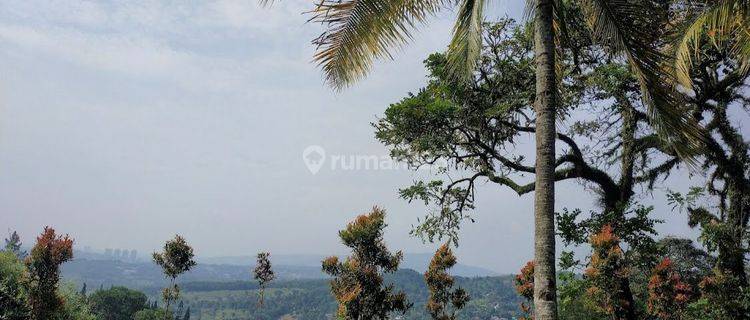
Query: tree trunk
{"points": [[627, 162], [731, 252], [545, 295]]}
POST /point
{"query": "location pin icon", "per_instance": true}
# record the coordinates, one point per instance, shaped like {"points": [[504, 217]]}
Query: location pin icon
{"points": [[314, 157]]}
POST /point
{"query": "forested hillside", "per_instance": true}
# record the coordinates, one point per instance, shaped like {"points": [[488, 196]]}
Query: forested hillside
{"points": [[311, 298]]}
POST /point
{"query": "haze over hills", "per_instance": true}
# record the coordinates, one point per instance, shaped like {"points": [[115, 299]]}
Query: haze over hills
{"points": [[226, 291], [222, 287], [415, 261], [96, 269]]}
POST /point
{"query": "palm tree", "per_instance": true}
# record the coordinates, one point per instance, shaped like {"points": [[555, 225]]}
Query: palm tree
{"points": [[360, 31], [545, 288], [717, 22]]}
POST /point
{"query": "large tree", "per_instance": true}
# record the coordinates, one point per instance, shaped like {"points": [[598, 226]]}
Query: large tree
{"points": [[718, 100], [360, 31], [475, 128]]}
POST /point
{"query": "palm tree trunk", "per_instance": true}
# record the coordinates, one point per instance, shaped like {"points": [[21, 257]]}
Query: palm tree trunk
{"points": [[545, 295]]}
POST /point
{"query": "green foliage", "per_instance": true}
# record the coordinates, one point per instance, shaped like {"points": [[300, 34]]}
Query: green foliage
{"points": [[574, 303], [723, 297], [456, 125], [632, 226], [311, 299], [152, 314], [177, 257], [75, 307], [117, 303], [357, 282], [12, 293]]}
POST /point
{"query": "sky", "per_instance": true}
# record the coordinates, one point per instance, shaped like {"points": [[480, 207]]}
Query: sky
{"points": [[125, 123]]}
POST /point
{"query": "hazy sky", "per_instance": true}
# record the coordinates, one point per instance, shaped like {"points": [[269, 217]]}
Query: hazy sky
{"points": [[123, 123]]}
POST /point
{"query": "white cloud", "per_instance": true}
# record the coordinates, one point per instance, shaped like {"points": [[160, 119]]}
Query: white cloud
{"points": [[140, 41]]}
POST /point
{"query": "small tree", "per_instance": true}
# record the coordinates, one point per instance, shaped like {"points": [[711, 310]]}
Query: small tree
{"points": [[440, 284], [357, 282], [668, 295], [83, 291], [13, 244], [607, 269], [525, 289], [176, 259], [263, 273], [187, 314], [43, 265]]}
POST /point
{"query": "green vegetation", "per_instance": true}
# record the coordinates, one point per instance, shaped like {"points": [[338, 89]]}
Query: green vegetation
{"points": [[12, 291], [311, 299], [117, 303]]}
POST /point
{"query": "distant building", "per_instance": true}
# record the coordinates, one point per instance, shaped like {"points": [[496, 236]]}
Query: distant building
{"points": [[133, 255], [117, 254], [108, 253]]}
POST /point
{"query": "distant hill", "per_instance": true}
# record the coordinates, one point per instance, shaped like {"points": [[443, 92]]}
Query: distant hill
{"points": [[97, 272], [224, 291], [146, 274], [414, 261], [420, 261]]}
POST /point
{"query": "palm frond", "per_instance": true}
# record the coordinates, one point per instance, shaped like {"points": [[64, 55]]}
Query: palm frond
{"points": [[529, 9], [743, 49], [612, 24], [265, 3], [717, 23], [466, 45], [359, 31]]}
